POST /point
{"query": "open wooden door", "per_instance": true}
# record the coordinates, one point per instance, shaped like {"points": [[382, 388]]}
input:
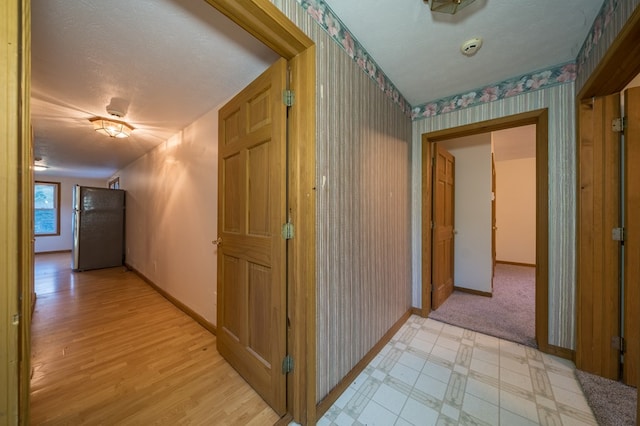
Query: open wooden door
{"points": [[443, 211], [632, 236], [251, 250], [599, 212]]}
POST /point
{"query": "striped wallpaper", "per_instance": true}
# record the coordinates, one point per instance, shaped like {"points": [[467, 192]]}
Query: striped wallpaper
{"points": [[613, 16], [363, 200], [367, 152]]}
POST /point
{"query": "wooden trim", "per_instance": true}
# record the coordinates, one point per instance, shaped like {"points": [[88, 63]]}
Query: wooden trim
{"points": [[52, 252], [506, 262], [268, 24], [472, 291], [284, 420], [417, 311], [561, 352], [178, 304], [346, 381], [427, 194], [541, 120], [619, 65]]}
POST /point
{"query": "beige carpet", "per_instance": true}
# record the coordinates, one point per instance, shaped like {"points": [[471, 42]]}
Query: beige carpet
{"points": [[509, 314]]}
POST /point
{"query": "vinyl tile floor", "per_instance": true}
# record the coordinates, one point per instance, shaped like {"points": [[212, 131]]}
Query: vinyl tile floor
{"points": [[432, 373]]}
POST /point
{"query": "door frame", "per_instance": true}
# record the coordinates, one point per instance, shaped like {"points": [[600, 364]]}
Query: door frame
{"points": [[617, 68], [540, 119], [269, 25]]}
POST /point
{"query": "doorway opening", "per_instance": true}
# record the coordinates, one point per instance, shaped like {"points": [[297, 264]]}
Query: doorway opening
{"points": [[495, 226], [539, 119]]}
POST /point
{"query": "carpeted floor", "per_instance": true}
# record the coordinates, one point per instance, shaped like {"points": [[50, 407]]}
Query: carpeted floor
{"points": [[613, 403], [509, 314]]}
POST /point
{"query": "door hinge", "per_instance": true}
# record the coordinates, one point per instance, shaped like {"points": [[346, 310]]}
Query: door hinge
{"points": [[618, 343], [15, 319], [287, 364], [288, 97], [287, 231], [617, 125], [617, 234]]}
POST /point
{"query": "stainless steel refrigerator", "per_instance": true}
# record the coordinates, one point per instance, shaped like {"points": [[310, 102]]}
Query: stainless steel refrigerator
{"points": [[98, 228]]}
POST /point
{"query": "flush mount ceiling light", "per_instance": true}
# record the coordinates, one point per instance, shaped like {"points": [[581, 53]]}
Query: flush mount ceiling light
{"points": [[39, 165], [448, 6], [112, 127]]}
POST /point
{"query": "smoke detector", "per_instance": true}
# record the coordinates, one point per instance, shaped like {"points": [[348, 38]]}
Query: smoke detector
{"points": [[471, 46]]}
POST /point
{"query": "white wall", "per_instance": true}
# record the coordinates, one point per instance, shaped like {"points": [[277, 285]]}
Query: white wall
{"points": [[172, 213], [64, 241], [516, 210], [472, 246]]}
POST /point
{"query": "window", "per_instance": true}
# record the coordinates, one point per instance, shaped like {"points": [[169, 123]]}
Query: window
{"points": [[46, 211], [115, 183]]}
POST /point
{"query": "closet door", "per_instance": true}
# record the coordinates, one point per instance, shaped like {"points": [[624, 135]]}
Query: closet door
{"points": [[632, 235], [599, 212]]}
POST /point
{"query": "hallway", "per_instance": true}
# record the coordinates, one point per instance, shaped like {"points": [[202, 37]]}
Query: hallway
{"points": [[108, 349]]}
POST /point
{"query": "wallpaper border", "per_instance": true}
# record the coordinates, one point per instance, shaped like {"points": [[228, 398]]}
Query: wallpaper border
{"points": [[602, 21], [329, 21]]}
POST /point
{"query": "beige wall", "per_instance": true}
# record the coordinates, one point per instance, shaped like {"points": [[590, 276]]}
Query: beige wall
{"points": [[516, 210], [64, 241], [172, 213], [472, 244]]}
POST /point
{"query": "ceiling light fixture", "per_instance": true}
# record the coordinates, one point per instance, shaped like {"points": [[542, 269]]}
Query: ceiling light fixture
{"points": [[111, 127], [39, 165], [448, 6]]}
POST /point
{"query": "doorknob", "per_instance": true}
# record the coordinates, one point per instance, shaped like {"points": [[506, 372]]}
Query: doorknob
{"points": [[217, 242]]}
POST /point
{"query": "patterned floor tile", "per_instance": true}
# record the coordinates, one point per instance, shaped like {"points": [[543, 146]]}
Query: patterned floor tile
{"points": [[432, 373]]}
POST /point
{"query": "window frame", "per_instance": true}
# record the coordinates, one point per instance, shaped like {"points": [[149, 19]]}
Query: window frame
{"points": [[56, 195]]}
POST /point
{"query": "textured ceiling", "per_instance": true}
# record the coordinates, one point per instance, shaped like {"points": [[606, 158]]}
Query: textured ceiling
{"points": [[419, 50], [174, 60]]}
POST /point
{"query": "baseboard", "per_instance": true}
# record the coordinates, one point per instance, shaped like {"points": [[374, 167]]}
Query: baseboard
{"points": [[284, 420], [178, 304], [471, 291], [335, 393], [417, 311], [52, 252], [506, 262], [558, 351]]}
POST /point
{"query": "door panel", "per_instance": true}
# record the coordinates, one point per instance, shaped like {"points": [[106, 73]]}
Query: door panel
{"points": [[598, 298], [632, 235], [252, 253], [443, 209]]}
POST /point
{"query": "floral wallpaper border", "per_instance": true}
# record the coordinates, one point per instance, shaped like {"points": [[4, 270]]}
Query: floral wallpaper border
{"points": [[329, 21], [560, 74], [601, 22]]}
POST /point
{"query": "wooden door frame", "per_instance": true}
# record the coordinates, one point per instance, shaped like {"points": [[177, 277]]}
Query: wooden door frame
{"points": [[540, 119], [268, 24], [617, 68]]}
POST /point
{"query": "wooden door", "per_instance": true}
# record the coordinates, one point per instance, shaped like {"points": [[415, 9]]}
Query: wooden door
{"points": [[443, 210], [251, 251], [598, 296], [632, 236]]}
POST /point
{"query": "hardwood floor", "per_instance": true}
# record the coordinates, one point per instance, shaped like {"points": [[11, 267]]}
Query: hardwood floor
{"points": [[108, 349]]}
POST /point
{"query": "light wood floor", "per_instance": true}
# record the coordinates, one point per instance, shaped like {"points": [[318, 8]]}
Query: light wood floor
{"points": [[107, 349]]}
